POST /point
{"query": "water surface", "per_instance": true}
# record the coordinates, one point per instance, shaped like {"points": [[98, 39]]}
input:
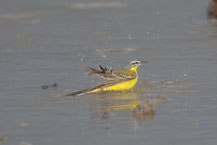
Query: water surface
{"points": [[44, 41]]}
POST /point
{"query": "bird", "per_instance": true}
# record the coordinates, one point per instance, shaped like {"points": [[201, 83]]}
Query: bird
{"points": [[114, 79]]}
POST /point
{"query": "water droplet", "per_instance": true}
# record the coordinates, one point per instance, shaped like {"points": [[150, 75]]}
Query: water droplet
{"points": [[130, 37]]}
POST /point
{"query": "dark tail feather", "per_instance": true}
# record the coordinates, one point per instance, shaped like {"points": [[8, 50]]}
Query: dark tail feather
{"points": [[84, 91], [81, 92]]}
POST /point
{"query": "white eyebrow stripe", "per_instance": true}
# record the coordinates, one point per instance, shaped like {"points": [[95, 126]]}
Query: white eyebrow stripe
{"points": [[135, 62]]}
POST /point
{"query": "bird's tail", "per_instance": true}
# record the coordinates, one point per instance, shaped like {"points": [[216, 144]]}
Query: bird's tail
{"points": [[86, 91]]}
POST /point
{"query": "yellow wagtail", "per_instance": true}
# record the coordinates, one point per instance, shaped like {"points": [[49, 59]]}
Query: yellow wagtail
{"points": [[114, 79]]}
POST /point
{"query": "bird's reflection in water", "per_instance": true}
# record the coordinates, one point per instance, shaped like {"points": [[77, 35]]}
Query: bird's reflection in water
{"points": [[124, 105]]}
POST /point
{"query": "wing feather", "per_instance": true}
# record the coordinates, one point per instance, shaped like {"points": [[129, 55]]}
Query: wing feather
{"points": [[110, 75]]}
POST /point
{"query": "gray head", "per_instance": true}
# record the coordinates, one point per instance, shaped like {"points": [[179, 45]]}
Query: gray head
{"points": [[137, 63]]}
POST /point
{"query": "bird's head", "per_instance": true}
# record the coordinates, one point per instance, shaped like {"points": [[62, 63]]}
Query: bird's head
{"points": [[136, 63]]}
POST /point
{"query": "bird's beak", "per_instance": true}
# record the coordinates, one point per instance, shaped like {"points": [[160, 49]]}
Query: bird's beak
{"points": [[143, 61]]}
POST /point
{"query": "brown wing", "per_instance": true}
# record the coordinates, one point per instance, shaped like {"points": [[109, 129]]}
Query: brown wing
{"points": [[124, 73], [110, 75], [104, 73]]}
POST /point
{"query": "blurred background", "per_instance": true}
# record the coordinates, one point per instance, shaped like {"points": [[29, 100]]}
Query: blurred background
{"points": [[53, 41]]}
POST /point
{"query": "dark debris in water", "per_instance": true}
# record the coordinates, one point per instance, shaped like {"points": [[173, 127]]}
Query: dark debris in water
{"points": [[54, 86], [145, 110], [44, 87], [3, 138], [212, 9]]}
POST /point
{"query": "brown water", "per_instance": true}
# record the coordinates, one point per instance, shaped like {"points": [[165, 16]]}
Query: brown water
{"points": [[46, 41]]}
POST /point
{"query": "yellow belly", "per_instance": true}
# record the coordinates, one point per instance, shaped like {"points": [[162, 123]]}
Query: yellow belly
{"points": [[121, 86]]}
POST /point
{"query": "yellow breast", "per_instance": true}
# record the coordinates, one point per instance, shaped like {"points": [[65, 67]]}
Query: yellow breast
{"points": [[122, 86]]}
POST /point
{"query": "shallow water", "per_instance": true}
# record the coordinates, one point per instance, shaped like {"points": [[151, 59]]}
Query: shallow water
{"points": [[44, 41]]}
